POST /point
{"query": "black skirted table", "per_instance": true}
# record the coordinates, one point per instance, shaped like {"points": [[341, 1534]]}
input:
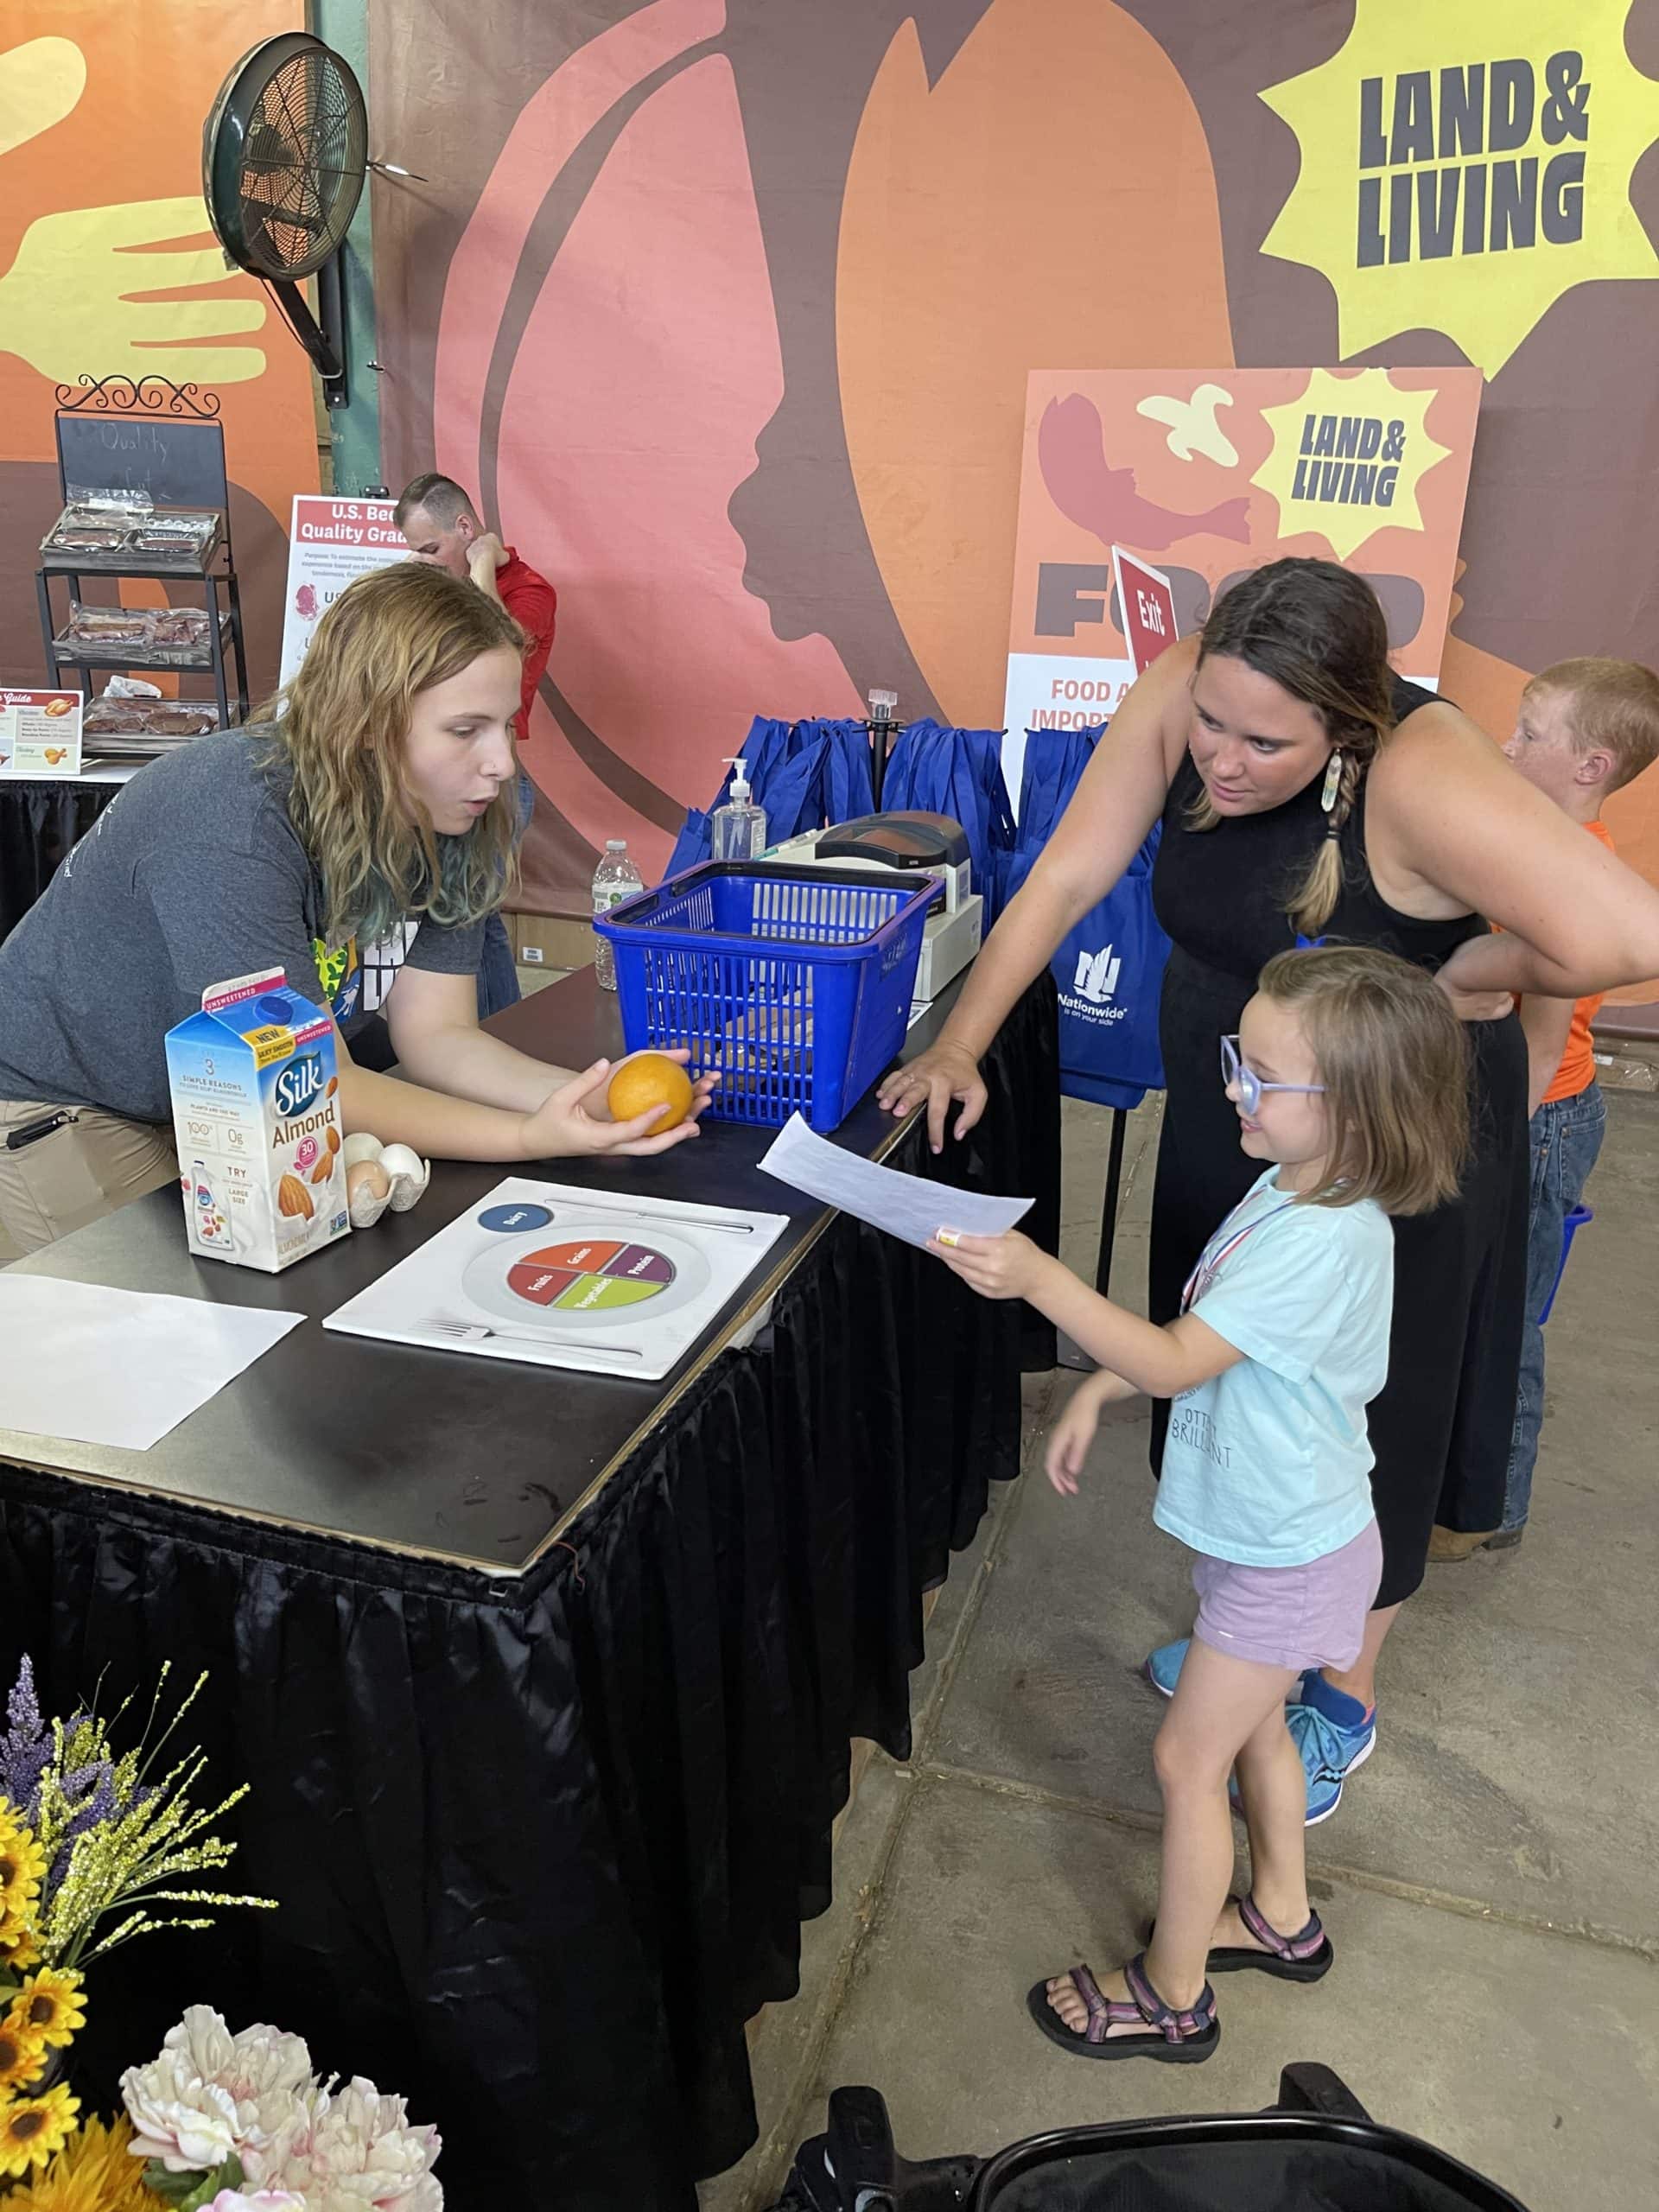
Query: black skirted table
{"points": [[39, 822], [545, 1682]]}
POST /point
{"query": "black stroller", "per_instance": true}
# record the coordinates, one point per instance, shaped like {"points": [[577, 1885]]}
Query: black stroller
{"points": [[1317, 2150]]}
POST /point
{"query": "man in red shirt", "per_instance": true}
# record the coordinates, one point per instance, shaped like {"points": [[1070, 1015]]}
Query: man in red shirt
{"points": [[441, 526]]}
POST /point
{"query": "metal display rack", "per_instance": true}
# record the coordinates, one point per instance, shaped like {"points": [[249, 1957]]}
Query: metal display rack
{"points": [[164, 440]]}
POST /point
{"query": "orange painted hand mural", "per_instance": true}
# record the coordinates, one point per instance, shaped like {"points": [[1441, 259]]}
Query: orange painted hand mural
{"points": [[78, 289]]}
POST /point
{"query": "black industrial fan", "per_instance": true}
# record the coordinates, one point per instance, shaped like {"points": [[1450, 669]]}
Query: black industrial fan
{"points": [[284, 156]]}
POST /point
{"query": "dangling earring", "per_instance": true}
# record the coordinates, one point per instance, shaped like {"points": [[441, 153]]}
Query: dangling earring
{"points": [[1332, 782]]}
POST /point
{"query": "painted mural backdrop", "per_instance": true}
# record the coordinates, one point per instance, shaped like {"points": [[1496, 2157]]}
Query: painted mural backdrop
{"points": [[727, 308], [107, 267]]}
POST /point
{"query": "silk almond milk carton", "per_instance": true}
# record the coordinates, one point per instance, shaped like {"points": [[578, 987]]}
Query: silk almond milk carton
{"points": [[256, 1112]]}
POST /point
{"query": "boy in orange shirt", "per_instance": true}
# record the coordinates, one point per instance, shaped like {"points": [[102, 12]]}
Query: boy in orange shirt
{"points": [[1585, 729]]}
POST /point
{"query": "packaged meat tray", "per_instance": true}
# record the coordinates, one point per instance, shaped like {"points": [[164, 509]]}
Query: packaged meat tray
{"points": [[95, 530], [114, 718], [95, 539], [181, 535], [182, 630], [144, 726], [180, 718], [95, 524], [108, 629]]}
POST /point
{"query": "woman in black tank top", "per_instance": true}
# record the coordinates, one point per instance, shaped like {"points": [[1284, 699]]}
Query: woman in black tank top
{"points": [[1290, 768], [1441, 1429]]}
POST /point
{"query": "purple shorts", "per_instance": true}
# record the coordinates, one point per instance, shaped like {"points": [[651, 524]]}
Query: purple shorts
{"points": [[1296, 1617]]}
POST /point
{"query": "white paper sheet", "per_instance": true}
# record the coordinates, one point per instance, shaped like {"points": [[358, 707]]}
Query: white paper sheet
{"points": [[120, 1367], [905, 1205]]}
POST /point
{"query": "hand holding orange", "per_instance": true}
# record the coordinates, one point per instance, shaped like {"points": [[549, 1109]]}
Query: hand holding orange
{"points": [[648, 1079]]}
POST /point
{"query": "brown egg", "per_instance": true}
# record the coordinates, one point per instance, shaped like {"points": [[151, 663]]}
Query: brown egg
{"points": [[368, 1177]]}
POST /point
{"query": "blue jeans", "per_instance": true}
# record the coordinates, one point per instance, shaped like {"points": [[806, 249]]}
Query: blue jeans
{"points": [[1566, 1137]]}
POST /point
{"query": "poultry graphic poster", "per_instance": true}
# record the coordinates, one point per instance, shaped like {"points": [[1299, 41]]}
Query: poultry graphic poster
{"points": [[1208, 474]]}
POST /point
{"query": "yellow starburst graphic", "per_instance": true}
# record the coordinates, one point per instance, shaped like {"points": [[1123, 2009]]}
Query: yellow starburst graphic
{"points": [[1348, 457], [1463, 167]]}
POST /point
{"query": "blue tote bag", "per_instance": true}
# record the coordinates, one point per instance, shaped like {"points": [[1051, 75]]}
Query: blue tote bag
{"points": [[1110, 967], [768, 741], [805, 775], [844, 790], [958, 773]]}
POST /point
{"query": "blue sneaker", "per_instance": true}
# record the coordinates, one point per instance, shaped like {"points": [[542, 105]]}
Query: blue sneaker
{"points": [[1163, 1668], [1335, 1734]]}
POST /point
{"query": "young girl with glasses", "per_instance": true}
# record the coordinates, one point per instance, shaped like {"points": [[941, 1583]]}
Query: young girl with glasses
{"points": [[1349, 1079]]}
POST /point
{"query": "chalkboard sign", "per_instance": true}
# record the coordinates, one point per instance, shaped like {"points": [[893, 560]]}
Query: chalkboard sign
{"points": [[179, 464]]}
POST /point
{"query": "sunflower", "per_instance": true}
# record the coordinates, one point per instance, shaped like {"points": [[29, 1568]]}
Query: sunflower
{"points": [[94, 2172], [22, 2057], [34, 2129], [22, 1866], [49, 2005], [19, 1948]]}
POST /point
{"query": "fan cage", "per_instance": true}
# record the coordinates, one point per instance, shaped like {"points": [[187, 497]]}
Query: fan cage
{"points": [[300, 165]]}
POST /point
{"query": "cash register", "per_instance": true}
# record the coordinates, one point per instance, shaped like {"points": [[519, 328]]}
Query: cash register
{"points": [[927, 844]]}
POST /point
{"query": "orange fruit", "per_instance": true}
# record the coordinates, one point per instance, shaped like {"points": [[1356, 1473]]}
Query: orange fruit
{"points": [[648, 1079]]}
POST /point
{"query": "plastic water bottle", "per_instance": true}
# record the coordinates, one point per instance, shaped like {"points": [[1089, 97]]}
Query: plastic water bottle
{"points": [[616, 878]]}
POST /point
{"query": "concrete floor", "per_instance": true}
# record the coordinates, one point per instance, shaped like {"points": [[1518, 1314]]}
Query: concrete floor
{"points": [[1488, 1883]]}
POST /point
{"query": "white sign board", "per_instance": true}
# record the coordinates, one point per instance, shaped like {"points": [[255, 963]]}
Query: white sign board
{"points": [[560, 1277], [331, 543], [40, 733]]}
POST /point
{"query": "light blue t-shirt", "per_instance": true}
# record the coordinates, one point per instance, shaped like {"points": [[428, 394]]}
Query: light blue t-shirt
{"points": [[1269, 1464]]}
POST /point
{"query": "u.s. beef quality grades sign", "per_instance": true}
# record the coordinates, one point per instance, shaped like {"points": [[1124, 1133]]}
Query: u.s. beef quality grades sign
{"points": [[331, 543]]}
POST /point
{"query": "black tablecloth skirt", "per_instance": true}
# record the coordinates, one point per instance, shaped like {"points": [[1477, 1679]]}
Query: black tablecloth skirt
{"points": [[542, 1848], [39, 823]]}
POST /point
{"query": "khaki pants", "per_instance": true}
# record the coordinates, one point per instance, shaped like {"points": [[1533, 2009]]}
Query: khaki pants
{"points": [[88, 1168]]}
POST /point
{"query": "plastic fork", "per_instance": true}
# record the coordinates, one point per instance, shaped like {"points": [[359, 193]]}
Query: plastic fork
{"points": [[475, 1333], [648, 1221]]}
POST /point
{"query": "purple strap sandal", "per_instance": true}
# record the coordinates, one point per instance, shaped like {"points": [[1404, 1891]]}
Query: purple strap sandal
{"points": [[1183, 2039], [1302, 1957]]}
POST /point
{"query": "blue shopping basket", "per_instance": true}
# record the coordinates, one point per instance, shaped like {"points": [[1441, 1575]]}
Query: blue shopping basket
{"points": [[795, 982], [1570, 1228]]}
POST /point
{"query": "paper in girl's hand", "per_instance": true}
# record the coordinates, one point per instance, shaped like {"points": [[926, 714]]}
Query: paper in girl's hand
{"points": [[908, 1206]]}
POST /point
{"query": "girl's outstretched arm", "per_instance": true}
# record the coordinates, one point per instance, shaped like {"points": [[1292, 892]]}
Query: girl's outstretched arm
{"points": [[1162, 1362]]}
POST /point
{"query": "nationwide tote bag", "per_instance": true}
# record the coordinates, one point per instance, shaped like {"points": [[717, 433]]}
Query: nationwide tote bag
{"points": [[1110, 967]]}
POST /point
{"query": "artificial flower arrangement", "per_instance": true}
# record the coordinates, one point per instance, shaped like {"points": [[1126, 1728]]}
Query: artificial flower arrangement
{"points": [[216, 2122]]}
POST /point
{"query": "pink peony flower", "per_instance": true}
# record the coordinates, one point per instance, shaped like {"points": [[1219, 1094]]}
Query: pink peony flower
{"points": [[264, 2200], [210, 2093], [304, 2147], [359, 2155]]}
